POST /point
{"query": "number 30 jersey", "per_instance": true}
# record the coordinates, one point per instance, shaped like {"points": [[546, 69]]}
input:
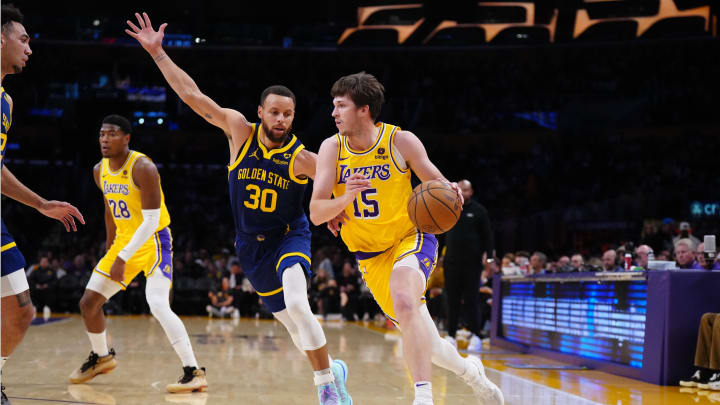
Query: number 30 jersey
{"points": [[123, 198], [265, 194], [378, 216]]}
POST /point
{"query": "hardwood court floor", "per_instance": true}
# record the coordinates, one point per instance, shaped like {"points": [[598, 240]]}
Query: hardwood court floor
{"points": [[254, 362]]}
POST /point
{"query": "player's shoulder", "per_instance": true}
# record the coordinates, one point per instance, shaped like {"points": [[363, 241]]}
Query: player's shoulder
{"points": [[143, 163], [98, 166], [332, 140]]}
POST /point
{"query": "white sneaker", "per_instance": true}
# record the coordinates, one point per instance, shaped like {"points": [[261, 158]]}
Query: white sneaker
{"points": [[209, 310], [715, 385], [486, 392], [451, 340], [475, 344]]}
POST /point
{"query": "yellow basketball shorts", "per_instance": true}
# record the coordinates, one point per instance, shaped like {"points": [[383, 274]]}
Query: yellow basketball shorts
{"points": [[156, 253], [376, 267]]}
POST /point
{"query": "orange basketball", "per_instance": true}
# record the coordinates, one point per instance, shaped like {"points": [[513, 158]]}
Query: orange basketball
{"points": [[434, 207]]}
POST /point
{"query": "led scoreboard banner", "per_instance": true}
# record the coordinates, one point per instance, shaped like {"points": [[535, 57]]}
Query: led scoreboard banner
{"points": [[636, 324], [598, 320]]}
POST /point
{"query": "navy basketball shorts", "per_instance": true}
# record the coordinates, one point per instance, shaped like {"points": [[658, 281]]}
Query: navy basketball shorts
{"points": [[265, 261]]}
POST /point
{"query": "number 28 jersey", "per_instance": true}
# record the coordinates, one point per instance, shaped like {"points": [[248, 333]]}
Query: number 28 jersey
{"points": [[378, 216], [265, 194], [124, 199]]}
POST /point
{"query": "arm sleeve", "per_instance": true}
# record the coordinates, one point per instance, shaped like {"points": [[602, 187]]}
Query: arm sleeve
{"points": [[151, 220]]}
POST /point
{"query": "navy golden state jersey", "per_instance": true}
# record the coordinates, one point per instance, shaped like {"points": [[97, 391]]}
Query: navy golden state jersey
{"points": [[264, 193], [6, 122]]}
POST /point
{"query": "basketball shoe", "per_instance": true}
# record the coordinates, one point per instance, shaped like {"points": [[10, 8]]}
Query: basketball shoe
{"points": [[340, 372], [192, 380], [700, 377], [486, 392], [328, 394], [475, 344], [93, 366], [714, 378], [4, 400]]}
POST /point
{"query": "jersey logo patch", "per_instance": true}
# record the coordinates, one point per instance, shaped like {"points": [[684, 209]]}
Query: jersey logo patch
{"points": [[255, 154], [287, 155]]}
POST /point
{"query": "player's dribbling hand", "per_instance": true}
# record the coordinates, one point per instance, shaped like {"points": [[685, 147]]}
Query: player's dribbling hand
{"points": [[334, 224], [455, 187], [117, 271], [63, 212], [148, 38]]}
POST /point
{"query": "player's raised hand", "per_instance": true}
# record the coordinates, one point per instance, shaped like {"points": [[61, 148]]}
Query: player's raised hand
{"points": [[63, 212], [148, 38]]}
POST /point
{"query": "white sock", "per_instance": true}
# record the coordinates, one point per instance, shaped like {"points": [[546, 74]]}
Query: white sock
{"points": [[323, 377], [423, 390], [98, 342], [2, 362]]}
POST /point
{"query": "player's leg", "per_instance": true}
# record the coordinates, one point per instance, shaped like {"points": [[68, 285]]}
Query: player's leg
{"points": [[329, 375], [157, 293], [407, 285], [17, 308], [99, 289], [469, 369]]}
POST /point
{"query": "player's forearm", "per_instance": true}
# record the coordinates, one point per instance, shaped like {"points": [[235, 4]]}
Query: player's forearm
{"points": [[13, 188], [323, 210], [151, 220], [181, 82]]}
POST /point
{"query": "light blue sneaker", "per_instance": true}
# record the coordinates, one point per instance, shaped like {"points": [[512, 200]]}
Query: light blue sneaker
{"points": [[328, 395], [340, 372]]}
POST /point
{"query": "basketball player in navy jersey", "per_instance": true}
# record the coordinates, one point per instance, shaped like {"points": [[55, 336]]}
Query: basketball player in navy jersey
{"points": [[268, 172], [17, 309]]}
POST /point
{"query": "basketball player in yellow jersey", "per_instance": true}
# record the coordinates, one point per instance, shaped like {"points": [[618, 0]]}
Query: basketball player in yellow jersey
{"points": [[366, 167], [138, 240]]}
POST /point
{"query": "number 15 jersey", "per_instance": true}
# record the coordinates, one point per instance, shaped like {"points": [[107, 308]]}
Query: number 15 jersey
{"points": [[265, 194], [124, 199], [378, 216]]}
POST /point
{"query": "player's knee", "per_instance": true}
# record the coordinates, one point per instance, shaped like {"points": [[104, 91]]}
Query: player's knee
{"points": [[404, 304], [295, 307], [89, 305], [157, 302], [26, 317]]}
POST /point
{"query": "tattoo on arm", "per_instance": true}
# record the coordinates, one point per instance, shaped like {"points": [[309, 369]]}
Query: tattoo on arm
{"points": [[160, 57], [208, 116], [24, 298]]}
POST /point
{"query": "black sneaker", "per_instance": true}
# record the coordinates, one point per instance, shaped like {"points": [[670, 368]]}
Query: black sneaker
{"points": [[4, 400], [700, 377], [713, 378]]}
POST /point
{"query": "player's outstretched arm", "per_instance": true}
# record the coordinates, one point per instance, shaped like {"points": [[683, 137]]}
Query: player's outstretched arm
{"points": [[60, 210], [414, 153], [185, 87], [323, 208]]}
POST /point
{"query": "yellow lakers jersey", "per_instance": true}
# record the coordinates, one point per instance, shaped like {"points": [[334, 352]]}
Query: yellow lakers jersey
{"points": [[123, 198], [378, 216]]}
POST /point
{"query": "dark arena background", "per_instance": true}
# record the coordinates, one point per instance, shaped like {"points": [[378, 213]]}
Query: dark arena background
{"points": [[589, 129]]}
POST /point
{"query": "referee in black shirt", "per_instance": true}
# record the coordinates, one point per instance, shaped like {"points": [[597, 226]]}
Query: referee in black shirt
{"points": [[469, 244]]}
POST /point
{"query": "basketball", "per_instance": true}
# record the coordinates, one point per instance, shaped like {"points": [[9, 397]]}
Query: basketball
{"points": [[434, 207]]}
